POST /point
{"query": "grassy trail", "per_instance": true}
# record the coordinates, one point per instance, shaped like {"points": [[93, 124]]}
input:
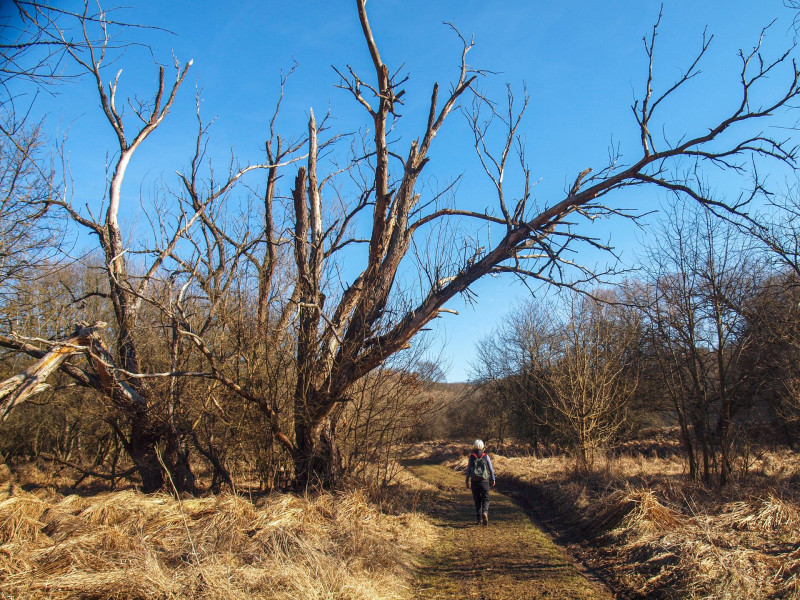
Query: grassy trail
{"points": [[511, 559]]}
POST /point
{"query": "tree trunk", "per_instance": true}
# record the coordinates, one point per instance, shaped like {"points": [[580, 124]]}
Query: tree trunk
{"points": [[686, 437], [726, 443], [317, 459], [705, 445], [176, 459], [144, 454]]}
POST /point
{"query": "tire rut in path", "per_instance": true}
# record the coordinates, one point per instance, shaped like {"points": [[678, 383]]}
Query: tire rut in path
{"points": [[511, 559]]}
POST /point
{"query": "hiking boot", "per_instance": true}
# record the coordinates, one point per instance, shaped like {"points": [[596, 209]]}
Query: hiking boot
{"points": [[485, 519]]}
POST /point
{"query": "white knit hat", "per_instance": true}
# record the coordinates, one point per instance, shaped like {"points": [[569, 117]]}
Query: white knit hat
{"points": [[478, 445]]}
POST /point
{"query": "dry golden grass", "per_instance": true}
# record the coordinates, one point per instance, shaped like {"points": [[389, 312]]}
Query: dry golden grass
{"points": [[664, 536], [128, 545], [675, 539]]}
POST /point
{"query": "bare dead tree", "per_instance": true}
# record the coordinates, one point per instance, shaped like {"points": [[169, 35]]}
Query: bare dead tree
{"points": [[36, 56]]}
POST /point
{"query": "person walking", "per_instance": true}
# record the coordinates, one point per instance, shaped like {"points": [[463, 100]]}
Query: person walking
{"points": [[480, 475]]}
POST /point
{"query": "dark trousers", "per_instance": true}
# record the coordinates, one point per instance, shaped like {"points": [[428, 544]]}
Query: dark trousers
{"points": [[480, 493]]}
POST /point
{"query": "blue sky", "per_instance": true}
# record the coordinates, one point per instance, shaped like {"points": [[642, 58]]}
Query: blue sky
{"points": [[582, 63]]}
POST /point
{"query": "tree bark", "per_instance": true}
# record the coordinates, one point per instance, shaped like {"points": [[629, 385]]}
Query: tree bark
{"points": [[317, 459], [142, 448]]}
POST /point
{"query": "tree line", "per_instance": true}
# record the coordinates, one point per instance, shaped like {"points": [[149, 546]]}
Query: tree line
{"points": [[704, 338]]}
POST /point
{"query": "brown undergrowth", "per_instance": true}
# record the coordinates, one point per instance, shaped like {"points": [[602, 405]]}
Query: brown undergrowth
{"points": [[129, 545], [658, 535]]}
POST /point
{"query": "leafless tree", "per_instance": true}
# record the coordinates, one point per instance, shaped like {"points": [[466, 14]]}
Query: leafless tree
{"points": [[703, 278], [28, 233], [510, 393], [578, 367], [131, 128], [573, 372], [591, 377], [771, 357]]}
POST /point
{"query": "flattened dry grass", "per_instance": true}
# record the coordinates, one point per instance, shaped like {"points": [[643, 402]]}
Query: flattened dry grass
{"points": [[128, 545]]}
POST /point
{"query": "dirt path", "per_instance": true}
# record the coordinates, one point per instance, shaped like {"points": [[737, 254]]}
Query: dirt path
{"points": [[511, 559]]}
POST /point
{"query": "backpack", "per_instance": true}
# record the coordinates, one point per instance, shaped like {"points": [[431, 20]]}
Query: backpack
{"points": [[480, 468]]}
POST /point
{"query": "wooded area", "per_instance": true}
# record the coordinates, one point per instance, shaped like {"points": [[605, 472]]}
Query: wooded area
{"points": [[705, 342], [242, 345]]}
